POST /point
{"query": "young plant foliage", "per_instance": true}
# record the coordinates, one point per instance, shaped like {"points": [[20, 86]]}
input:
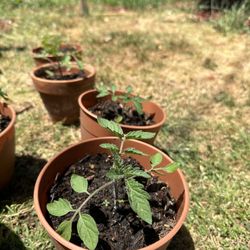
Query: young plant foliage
{"points": [[59, 207], [88, 231], [138, 200], [120, 171]]}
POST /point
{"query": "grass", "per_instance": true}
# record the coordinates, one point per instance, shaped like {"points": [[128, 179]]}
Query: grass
{"points": [[198, 75]]}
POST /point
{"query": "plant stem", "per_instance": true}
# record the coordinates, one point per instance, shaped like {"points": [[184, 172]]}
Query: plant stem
{"points": [[60, 69], [122, 144], [89, 197]]}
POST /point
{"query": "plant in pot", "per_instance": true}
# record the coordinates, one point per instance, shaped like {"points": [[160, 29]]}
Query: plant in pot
{"points": [[61, 82], [7, 140], [132, 112], [51, 44], [111, 193]]}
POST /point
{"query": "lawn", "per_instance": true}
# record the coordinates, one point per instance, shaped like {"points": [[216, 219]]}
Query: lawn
{"points": [[199, 75]]}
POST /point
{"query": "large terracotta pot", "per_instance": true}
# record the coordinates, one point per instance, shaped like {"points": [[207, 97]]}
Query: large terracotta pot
{"points": [[90, 128], [72, 154], [7, 146], [36, 52], [60, 96]]}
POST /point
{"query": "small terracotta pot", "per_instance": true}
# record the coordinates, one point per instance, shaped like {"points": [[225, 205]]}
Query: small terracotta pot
{"points": [[60, 96], [7, 146], [90, 128], [49, 59], [72, 154]]}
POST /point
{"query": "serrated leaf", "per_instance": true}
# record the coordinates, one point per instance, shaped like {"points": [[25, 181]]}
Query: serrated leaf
{"points": [[172, 167], [78, 183], [131, 171], [65, 229], [156, 159], [110, 125], [138, 200], [110, 146], [115, 174], [139, 135], [88, 231], [134, 151], [59, 207]]}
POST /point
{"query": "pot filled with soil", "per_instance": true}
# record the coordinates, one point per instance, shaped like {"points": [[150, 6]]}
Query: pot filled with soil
{"points": [[132, 112], [41, 57], [7, 143], [60, 86], [111, 193]]}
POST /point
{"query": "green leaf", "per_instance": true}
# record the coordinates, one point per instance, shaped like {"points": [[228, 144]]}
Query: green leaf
{"points": [[59, 207], [112, 126], [65, 229], [172, 167], [115, 174], [102, 91], [113, 88], [4, 95], [138, 200], [110, 146], [131, 171], [88, 231], [134, 151], [118, 119], [129, 89], [138, 107], [79, 184], [140, 135], [79, 64], [156, 159]]}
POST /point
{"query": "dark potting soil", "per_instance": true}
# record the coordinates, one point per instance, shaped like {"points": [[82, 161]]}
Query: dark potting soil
{"points": [[110, 110], [66, 75], [119, 229], [4, 122]]}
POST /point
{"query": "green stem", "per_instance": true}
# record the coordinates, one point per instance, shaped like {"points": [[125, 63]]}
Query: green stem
{"points": [[89, 197]]}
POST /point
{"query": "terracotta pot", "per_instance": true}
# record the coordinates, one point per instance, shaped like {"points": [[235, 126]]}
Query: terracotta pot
{"points": [[44, 60], [7, 146], [90, 128], [60, 96], [72, 154]]}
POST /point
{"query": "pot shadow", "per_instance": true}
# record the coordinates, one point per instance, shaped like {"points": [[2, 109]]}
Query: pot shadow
{"points": [[182, 240], [22, 184], [9, 240]]}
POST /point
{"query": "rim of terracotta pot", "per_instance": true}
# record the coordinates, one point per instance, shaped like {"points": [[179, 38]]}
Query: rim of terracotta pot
{"points": [[12, 121], [123, 125], [72, 246], [89, 68], [35, 51]]}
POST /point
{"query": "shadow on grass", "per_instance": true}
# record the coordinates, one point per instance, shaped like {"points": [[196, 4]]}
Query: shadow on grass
{"points": [[182, 240], [22, 184], [9, 240]]}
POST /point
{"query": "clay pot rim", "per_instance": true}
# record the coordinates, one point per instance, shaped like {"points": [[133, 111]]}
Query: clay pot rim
{"points": [[35, 50], [131, 127], [12, 121], [87, 67], [72, 246]]}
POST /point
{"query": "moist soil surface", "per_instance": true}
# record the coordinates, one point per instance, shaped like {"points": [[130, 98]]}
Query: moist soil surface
{"points": [[111, 110], [120, 228], [53, 73], [4, 122]]}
